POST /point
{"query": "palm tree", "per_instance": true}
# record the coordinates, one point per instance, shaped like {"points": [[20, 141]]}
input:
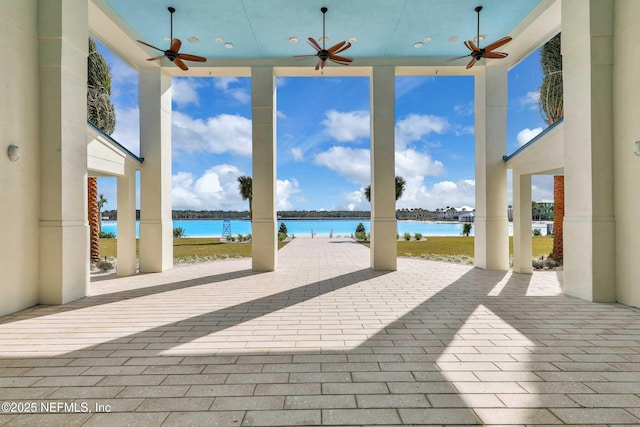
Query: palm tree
{"points": [[552, 108], [100, 112], [400, 187], [245, 187], [101, 202]]}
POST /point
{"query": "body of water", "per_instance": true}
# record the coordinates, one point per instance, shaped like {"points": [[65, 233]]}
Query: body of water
{"points": [[319, 227]]}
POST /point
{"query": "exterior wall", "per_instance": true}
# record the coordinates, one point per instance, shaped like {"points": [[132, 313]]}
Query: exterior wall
{"points": [[626, 165], [19, 181]]}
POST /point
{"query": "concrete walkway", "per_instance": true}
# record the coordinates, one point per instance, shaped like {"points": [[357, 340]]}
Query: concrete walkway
{"points": [[322, 341]]}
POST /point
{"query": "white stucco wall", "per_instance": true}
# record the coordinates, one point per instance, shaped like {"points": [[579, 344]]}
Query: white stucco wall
{"points": [[19, 181], [626, 164]]}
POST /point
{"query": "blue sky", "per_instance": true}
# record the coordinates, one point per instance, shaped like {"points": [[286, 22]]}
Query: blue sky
{"points": [[323, 138]]}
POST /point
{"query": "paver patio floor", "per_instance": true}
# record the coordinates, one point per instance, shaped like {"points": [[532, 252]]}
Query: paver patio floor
{"points": [[323, 341]]}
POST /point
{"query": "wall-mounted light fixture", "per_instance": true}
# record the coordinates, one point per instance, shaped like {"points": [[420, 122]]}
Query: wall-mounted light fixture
{"points": [[636, 148], [13, 152]]}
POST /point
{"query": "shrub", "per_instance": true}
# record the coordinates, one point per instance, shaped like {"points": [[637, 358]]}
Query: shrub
{"points": [[281, 237], [178, 233], [283, 229], [418, 236], [466, 229], [104, 266], [360, 229], [231, 238], [407, 236], [247, 237], [361, 235], [240, 237], [537, 232], [107, 235]]}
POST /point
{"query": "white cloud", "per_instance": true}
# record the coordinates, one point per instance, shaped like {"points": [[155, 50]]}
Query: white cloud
{"points": [[240, 94], [351, 163], [356, 200], [284, 190], [440, 194], [464, 109], [526, 135], [530, 100], [184, 91], [219, 134], [411, 163], [217, 188], [347, 127], [223, 83], [542, 188], [127, 131], [297, 154], [416, 126], [121, 73]]}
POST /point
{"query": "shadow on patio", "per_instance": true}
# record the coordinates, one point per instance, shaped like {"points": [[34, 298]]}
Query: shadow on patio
{"points": [[433, 343]]}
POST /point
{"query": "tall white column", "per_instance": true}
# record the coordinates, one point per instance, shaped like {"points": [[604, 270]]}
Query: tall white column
{"points": [[156, 226], [492, 226], [127, 222], [522, 243], [64, 229], [264, 250], [383, 194], [589, 223]]}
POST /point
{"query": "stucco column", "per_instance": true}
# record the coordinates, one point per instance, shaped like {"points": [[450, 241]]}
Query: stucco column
{"points": [[492, 226], [156, 226], [522, 243], [127, 222], [589, 224], [64, 230], [383, 194], [264, 249]]}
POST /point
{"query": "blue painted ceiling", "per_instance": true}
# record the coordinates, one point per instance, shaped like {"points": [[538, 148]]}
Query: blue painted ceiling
{"points": [[262, 28]]}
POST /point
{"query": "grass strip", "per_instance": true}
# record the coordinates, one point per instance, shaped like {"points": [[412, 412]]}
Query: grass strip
{"points": [[193, 248]]}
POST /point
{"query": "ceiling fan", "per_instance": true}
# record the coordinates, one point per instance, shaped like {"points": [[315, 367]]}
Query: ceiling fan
{"points": [[330, 54], [173, 53], [478, 53]]}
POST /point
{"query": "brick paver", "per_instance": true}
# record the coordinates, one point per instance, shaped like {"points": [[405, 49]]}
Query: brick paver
{"points": [[323, 341]]}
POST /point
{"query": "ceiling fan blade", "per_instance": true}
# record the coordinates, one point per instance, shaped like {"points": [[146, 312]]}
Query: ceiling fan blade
{"points": [[340, 58], [150, 45], [496, 55], [471, 63], [315, 44], [181, 64], [471, 46], [343, 48], [175, 45], [498, 43], [336, 47], [196, 58], [155, 57], [459, 57], [338, 62]]}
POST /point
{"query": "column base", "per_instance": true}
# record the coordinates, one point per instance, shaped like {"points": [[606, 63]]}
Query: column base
{"points": [[491, 244], [64, 262], [156, 246], [384, 244], [264, 245], [589, 258]]}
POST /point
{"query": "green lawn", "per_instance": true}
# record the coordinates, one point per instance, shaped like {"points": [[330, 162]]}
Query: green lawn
{"points": [[458, 245], [212, 248], [191, 248]]}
